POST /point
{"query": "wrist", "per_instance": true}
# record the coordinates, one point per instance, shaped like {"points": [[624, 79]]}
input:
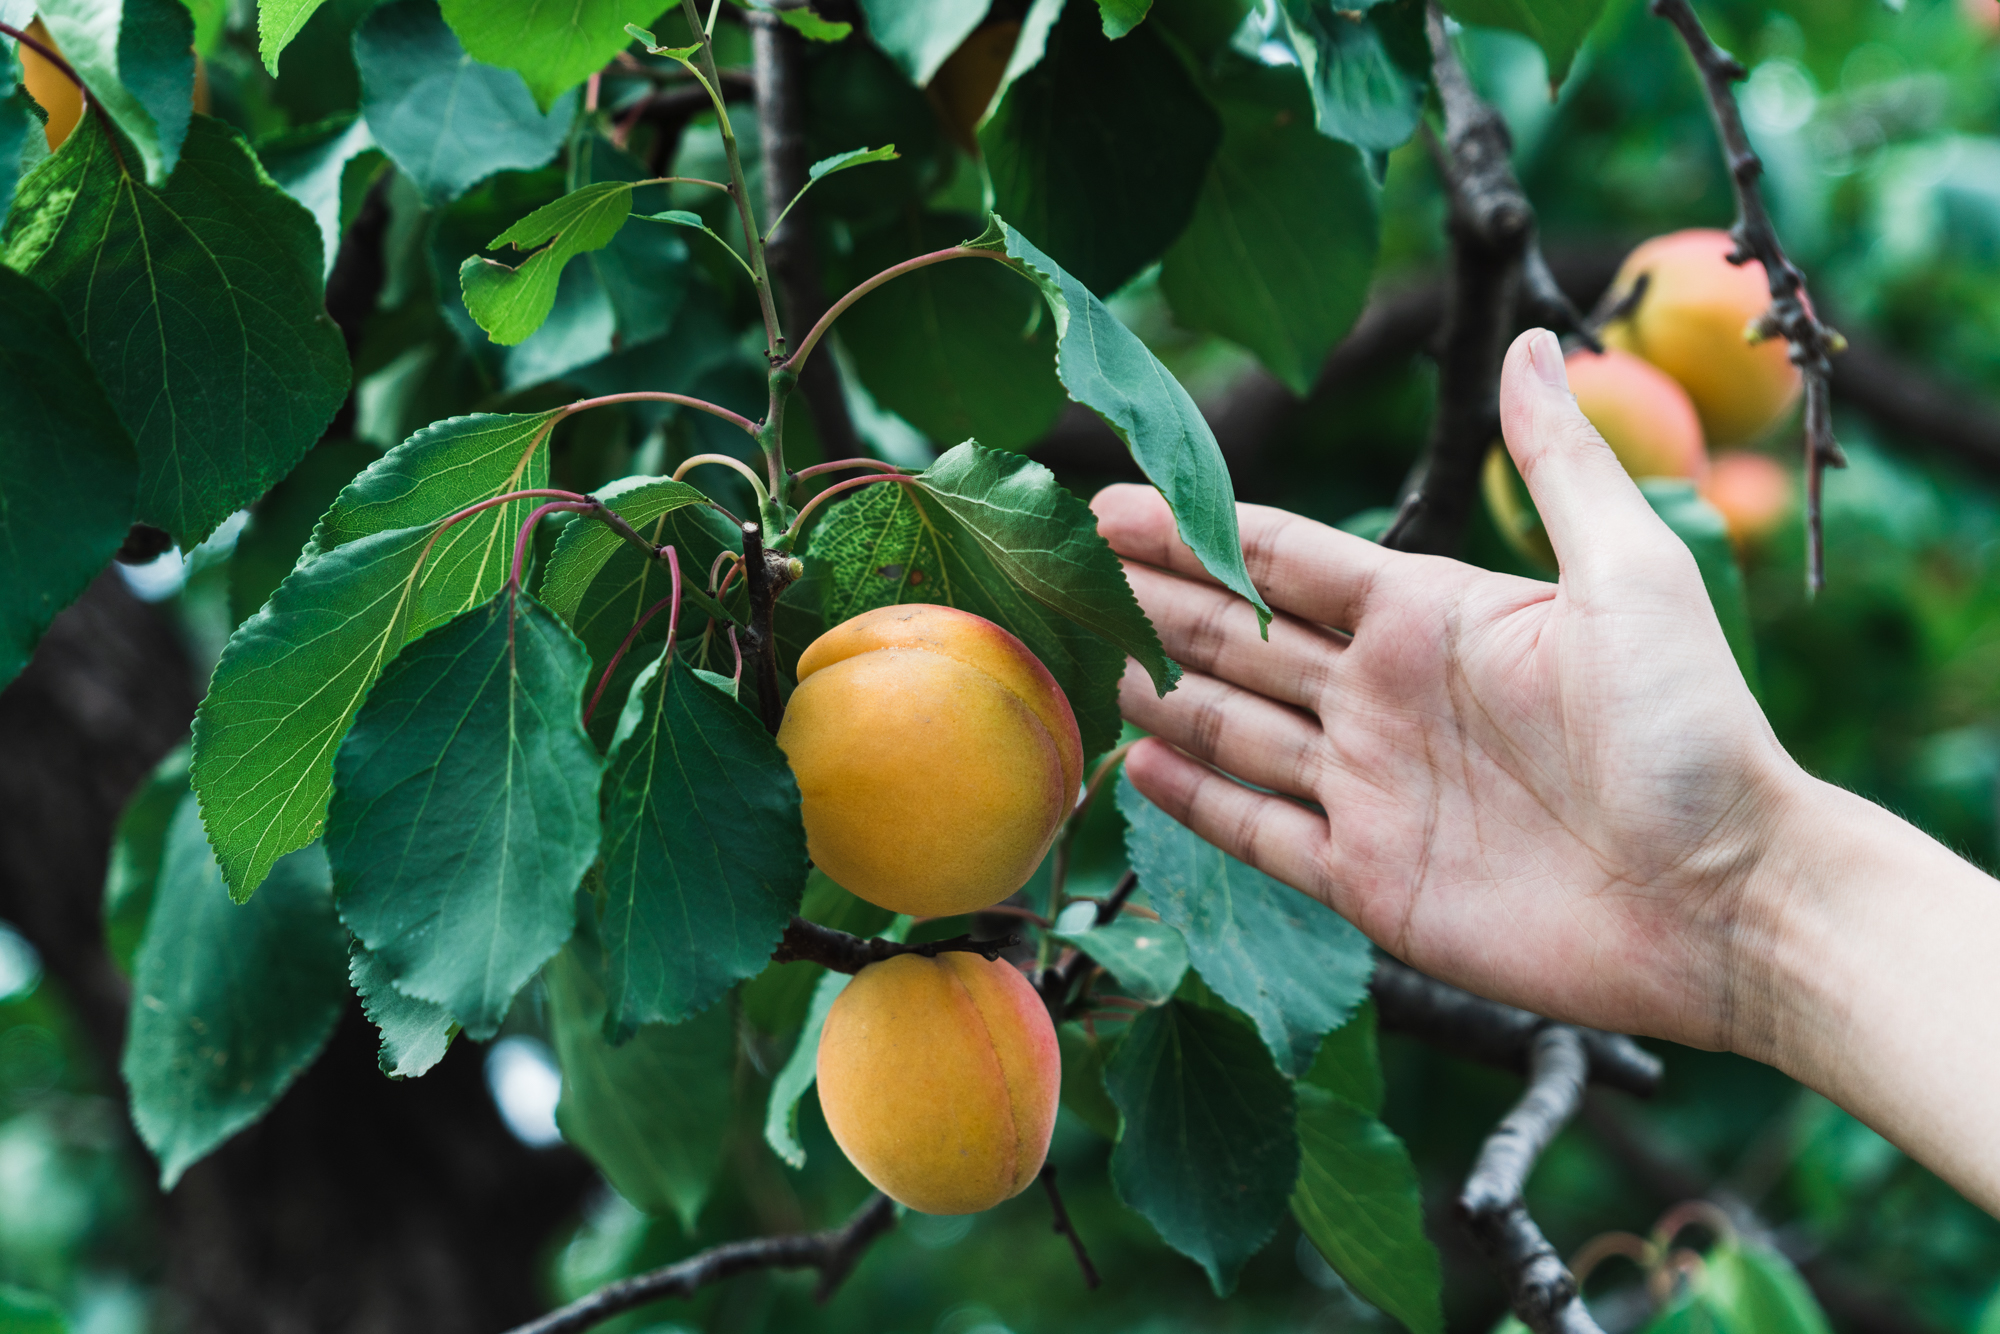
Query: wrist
{"points": [[1859, 965]]}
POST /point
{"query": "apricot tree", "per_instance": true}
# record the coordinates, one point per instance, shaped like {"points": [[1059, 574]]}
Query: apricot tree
{"points": [[654, 688]]}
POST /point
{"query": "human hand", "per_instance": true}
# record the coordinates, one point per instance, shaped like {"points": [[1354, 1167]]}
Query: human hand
{"points": [[1556, 795]]}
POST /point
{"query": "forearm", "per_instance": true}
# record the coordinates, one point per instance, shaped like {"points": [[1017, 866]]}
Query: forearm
{"points": [[1869, 967]]}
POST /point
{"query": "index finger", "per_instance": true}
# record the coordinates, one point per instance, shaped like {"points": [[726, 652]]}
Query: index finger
{"points": [[1305, 568]]}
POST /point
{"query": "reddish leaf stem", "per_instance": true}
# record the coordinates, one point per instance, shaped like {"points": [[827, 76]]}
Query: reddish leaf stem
{"points": [[47, 53], [811, 340], [799, 523], [528, 529], [671, 600], [736, 419], [841, 465]]}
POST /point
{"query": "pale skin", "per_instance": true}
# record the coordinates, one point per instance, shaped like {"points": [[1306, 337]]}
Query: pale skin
{"points": [[1564, 796]]}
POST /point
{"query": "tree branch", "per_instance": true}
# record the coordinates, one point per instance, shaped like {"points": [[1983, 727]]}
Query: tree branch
{"points": [[1469, 1026], [794, 263], [765, 584], [1540, 1288], [1495, 267], [1813, 344], [834, 1253], [809, 942]]}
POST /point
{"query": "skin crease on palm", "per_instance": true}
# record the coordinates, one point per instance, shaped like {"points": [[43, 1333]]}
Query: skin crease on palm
{"points": [[1564, 796]]}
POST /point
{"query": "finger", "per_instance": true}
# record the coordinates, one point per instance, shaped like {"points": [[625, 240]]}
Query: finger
{"points": [[1206, 628], [1277, 836], [1240, 733], [1593, 511], [1306, 568]]}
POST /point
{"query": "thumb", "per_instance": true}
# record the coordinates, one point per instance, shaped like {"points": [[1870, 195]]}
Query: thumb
{"points": [[1593, 511]]}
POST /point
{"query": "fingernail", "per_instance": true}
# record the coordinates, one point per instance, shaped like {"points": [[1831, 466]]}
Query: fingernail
{"points": [[1547, 355]]}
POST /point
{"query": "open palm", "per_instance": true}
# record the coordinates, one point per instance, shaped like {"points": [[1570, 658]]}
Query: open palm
{"points": [[1550, 794]]}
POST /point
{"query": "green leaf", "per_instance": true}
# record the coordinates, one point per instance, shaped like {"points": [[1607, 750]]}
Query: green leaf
{"points": [[446, 120], [1350, 1062], [312, 165], [1282, 246], [1107, 369], [1368, 67], [918, 37], [1757, 1289], [602, 585], [853, 157], [704, 851], [138, 845], [375, 575], [1701, 526], [1121, 16], [653, 47], [278, 21], [282, 523], [812, 27], [1099, 152], [511, 303], [230, 1003], [23, 143], [1359, 1200], [67, 470], [996, 535], [137, 59], [1557, 26], [1083, 1060], [415, 1033], [680, 217], [25, 1312], [958, 350], [1294, 966], [1209, 1154], [464, 810], [199, 304], [781, 1113], [555, 47], [1148, 958], [654, 1112]]}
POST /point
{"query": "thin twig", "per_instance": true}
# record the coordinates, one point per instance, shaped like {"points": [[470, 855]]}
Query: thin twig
{"points": [[1540, 1288], [1059, 985], [1064, 1227], [1813, 344], [809, 942], [834, 1253]]}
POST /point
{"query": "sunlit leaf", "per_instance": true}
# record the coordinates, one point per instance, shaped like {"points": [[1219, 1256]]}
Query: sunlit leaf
{"points": [[511, 303]]}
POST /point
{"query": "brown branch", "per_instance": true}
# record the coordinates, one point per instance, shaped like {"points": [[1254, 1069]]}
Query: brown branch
{"points": [[1495, 269], [1540, 1289], [834, 1253], [765, 583], [794, 263], [809, 942], [1813, 344], [1064, 1227], [1407, 1001]]}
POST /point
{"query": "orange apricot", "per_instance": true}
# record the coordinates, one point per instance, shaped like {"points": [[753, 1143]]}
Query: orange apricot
{"points": [[1640, 411], [935, 755], [965, 83], [54, 90], [939, 1080], [1753, 492], [1691, 322]]}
